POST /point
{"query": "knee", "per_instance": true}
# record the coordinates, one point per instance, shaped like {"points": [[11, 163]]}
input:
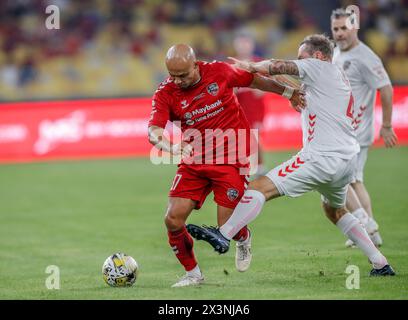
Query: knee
{"points": [[265, 186], [173, 221], [255, 185], [356, 184], [333, 214]]}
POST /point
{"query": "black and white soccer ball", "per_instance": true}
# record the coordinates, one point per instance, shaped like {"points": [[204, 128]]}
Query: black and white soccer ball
{"points": [[120, 270]]}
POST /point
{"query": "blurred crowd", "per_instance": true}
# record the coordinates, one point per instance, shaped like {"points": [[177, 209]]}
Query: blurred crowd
{"points": [[117, 47]]}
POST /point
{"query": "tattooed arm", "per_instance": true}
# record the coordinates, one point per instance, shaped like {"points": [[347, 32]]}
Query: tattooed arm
{"points": [[271, 67], [296, 97], [282, 67], [274, 67]]}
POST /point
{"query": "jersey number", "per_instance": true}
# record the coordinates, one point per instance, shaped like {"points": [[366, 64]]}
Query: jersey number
{"points": [[350, 107], [176, 181]]}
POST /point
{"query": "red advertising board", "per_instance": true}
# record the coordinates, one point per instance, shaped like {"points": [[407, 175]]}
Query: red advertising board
{"points": [[33, 131], [73, 129]]}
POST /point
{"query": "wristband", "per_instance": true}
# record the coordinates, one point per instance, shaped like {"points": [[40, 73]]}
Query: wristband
{"points": [[386, 127], [288, 92]]}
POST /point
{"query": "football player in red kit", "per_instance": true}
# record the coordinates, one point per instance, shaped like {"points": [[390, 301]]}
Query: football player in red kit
{"points": [[200, 96]]}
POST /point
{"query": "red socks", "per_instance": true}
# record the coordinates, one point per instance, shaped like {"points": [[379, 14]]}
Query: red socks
{"points": [[182, 244], [242, 234]]}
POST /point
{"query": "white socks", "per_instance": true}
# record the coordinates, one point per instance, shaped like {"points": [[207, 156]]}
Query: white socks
{"points": [[368, 222], [361, 215], [352, 228], [372, 226], [196, 272], [247, 210]]}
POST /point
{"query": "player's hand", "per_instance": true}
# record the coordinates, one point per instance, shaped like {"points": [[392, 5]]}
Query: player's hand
{"points": [[298, 100], [240, 64], [389, 136], [184, 149]]}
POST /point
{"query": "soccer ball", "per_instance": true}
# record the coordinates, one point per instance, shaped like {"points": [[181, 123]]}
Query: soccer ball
{"points": [[120, 270]]}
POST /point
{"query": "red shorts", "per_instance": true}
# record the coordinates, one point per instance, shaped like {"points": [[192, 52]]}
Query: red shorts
{"points": [[195, 182]]}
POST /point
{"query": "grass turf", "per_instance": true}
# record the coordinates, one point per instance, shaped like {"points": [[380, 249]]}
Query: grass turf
{"points": [[75, 214]]}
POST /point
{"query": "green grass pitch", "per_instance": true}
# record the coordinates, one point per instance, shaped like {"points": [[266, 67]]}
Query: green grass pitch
{"points": [[75, 214]]}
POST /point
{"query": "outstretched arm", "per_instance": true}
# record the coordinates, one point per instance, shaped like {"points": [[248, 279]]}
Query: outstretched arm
{"points": [[296, 97], [270, 67]]}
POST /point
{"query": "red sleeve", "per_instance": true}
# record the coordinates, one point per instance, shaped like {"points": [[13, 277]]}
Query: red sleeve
{"points": [[236, 77], [160, 110]]}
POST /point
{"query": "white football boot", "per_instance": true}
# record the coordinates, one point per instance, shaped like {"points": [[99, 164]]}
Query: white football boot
{"points": [[188, 280], [243, 254]]}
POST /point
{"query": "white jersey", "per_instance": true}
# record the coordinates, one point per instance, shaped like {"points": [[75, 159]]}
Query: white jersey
{"points": [[327, 119], [366, 74]]}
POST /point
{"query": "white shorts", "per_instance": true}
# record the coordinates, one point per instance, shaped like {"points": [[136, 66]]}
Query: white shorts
{"points": [[305, 172], [360, 164]]}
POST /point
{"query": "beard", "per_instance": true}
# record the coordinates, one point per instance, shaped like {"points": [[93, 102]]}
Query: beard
{"points": [[343, 44]]}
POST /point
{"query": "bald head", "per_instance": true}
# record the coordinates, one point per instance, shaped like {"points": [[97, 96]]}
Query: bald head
{"points": [[182, 66], [180, 53]]}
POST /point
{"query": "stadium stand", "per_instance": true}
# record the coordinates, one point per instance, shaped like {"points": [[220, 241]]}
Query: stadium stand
{"points": [[116, 47]]}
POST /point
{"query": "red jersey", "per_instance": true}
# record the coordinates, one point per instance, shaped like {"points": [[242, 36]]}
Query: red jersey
{"points": [[209, 104]]}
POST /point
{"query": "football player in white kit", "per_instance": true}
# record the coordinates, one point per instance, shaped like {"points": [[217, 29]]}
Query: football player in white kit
{"points": [[366, 74], [325, 163]]}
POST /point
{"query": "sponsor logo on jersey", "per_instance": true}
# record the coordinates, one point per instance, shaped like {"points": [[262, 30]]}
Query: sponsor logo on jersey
{"points": [[188, 115], [206, 108], [190, 122], [232, 194], [213, 89], [346, 65]]}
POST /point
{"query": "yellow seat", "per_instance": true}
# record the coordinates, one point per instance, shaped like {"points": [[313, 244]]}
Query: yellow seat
{"points": [[398, 69], [401, 44], [288, 47], [377, 41], [188, 35]]}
